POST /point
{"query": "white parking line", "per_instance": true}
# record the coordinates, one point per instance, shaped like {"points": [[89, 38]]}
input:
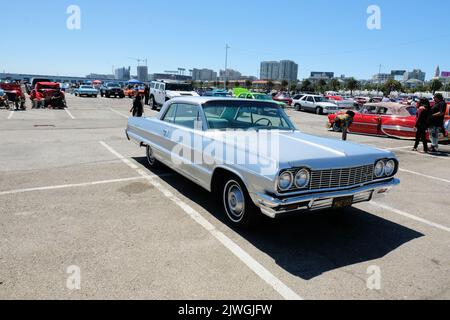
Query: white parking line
{"points": [[119, 113], [118, 155], [70, 115], [424, 175], [11, 113], [255, 266], [410, 216], [64, 186]]}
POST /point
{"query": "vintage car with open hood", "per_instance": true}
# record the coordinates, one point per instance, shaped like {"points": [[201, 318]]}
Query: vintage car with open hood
{"points": [[250, 154]]}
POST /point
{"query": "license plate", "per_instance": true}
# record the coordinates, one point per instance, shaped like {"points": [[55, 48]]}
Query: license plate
{"points": [[342, 202]]}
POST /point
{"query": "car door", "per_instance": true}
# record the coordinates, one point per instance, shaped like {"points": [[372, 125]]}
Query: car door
{"points": [[309, 103], [161, 94], [186, 140]]}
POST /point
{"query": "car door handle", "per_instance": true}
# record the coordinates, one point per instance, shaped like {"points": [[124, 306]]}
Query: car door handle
{"points": [[165, 132]]}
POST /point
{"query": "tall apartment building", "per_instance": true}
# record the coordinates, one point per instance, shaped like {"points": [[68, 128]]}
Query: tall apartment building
{"points": [[204, 75], [123, 73], [142, 73], [230, 74], [416, 74], [282, 70]]}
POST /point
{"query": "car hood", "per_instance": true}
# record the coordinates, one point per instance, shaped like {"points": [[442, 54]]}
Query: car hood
{"points": [[296, 149]]}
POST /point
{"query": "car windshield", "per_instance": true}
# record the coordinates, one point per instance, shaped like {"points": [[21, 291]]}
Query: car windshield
{"points": [[48, 87], [262, 97], [113, 85], [246, 115], [86, 87], [179, 87]]}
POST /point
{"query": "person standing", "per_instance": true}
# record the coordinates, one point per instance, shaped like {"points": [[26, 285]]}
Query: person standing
{"points": [[422, 123], [146, 94], [437, 120], [138, 108]]}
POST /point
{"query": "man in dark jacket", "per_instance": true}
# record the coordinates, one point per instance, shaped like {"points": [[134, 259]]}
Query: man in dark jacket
{"points": [[138, 108], [422, 123], [146, 94], [437, 121]]}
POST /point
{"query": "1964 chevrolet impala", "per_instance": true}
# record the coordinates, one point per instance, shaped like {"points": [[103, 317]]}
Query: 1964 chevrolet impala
{"points": [[250, 154]]}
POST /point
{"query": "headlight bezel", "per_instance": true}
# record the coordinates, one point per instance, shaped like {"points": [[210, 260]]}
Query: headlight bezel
{"points": [[289, 173], [308, 178], [386, 174]]}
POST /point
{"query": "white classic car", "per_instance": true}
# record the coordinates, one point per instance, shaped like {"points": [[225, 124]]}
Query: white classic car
{"points": [[250, 154]]}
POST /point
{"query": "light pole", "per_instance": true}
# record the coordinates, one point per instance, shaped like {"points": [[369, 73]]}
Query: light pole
{"points": [[379, 79], [226, 66]]}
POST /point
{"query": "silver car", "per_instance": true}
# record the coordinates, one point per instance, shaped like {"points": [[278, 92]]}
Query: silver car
{"points": [[250, 154]]}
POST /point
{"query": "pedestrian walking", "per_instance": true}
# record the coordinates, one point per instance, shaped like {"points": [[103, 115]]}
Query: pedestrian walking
{"points": [[137, 109], [437, 120], [422, 124], [344, 121], [146, 94]]}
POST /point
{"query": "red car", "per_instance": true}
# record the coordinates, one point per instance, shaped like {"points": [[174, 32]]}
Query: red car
{"points": [[283, 97], [386, 119], [15, 94], [48, 93]]}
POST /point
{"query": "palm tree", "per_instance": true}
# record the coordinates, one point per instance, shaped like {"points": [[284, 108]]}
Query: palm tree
{"points": [[391, 85], [270, 85], [284, 84], [248, 84], [435, 85], [321, 85], [335, 84], [351, 85], [306, 85]]}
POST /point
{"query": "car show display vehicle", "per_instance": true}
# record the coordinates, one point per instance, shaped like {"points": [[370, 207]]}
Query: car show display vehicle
{"points": [[386, 119], [48, 94], [112, 89], [15, 95], [162, 91], [283, 97], [130, 92], [318, 104], [260, 96], [86, 90], [299, 173]]}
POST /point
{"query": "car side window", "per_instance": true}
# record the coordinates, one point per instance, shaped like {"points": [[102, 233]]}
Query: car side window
{"points": [[170, 114], [162, 86], [310, 99], [187, 115]]}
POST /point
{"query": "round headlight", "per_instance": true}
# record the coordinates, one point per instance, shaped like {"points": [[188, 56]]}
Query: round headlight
{"points": [[285, 181], [389, 168], [379, 169], [302, 179]]}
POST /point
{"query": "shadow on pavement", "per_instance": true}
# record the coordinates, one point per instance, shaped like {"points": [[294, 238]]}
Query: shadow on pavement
{"points": [[311, 244]]}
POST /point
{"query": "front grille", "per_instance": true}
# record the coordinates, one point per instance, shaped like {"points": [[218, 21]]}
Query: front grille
{"points": [[341, 178]]}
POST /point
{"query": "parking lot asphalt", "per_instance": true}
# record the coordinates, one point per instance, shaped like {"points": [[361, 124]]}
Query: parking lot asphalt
{"points": [[75, 192]]}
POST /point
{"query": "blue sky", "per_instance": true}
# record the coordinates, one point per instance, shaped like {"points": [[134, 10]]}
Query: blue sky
{"points": [[320, 35]]}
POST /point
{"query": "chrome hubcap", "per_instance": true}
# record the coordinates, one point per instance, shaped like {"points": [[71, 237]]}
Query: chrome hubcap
{"points": [[150, 158], [235, 200]]}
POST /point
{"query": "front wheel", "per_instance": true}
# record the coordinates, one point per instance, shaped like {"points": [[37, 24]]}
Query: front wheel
{"points": [[336, 127], [298, 107], [238, 206], [319, 111]]}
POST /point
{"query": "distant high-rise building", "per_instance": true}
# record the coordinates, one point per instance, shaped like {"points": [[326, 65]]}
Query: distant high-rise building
{"points": [[416, 74], [322, 75], [204, 75], [142, 73], [270, 70], [230, 74], [282, 70], [382, 77], [398, 74], [437, 74], [288, 70], [123, 74]]}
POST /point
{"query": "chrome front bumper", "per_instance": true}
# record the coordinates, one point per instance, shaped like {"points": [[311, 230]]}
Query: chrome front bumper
{"points": [[273, 207]]}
